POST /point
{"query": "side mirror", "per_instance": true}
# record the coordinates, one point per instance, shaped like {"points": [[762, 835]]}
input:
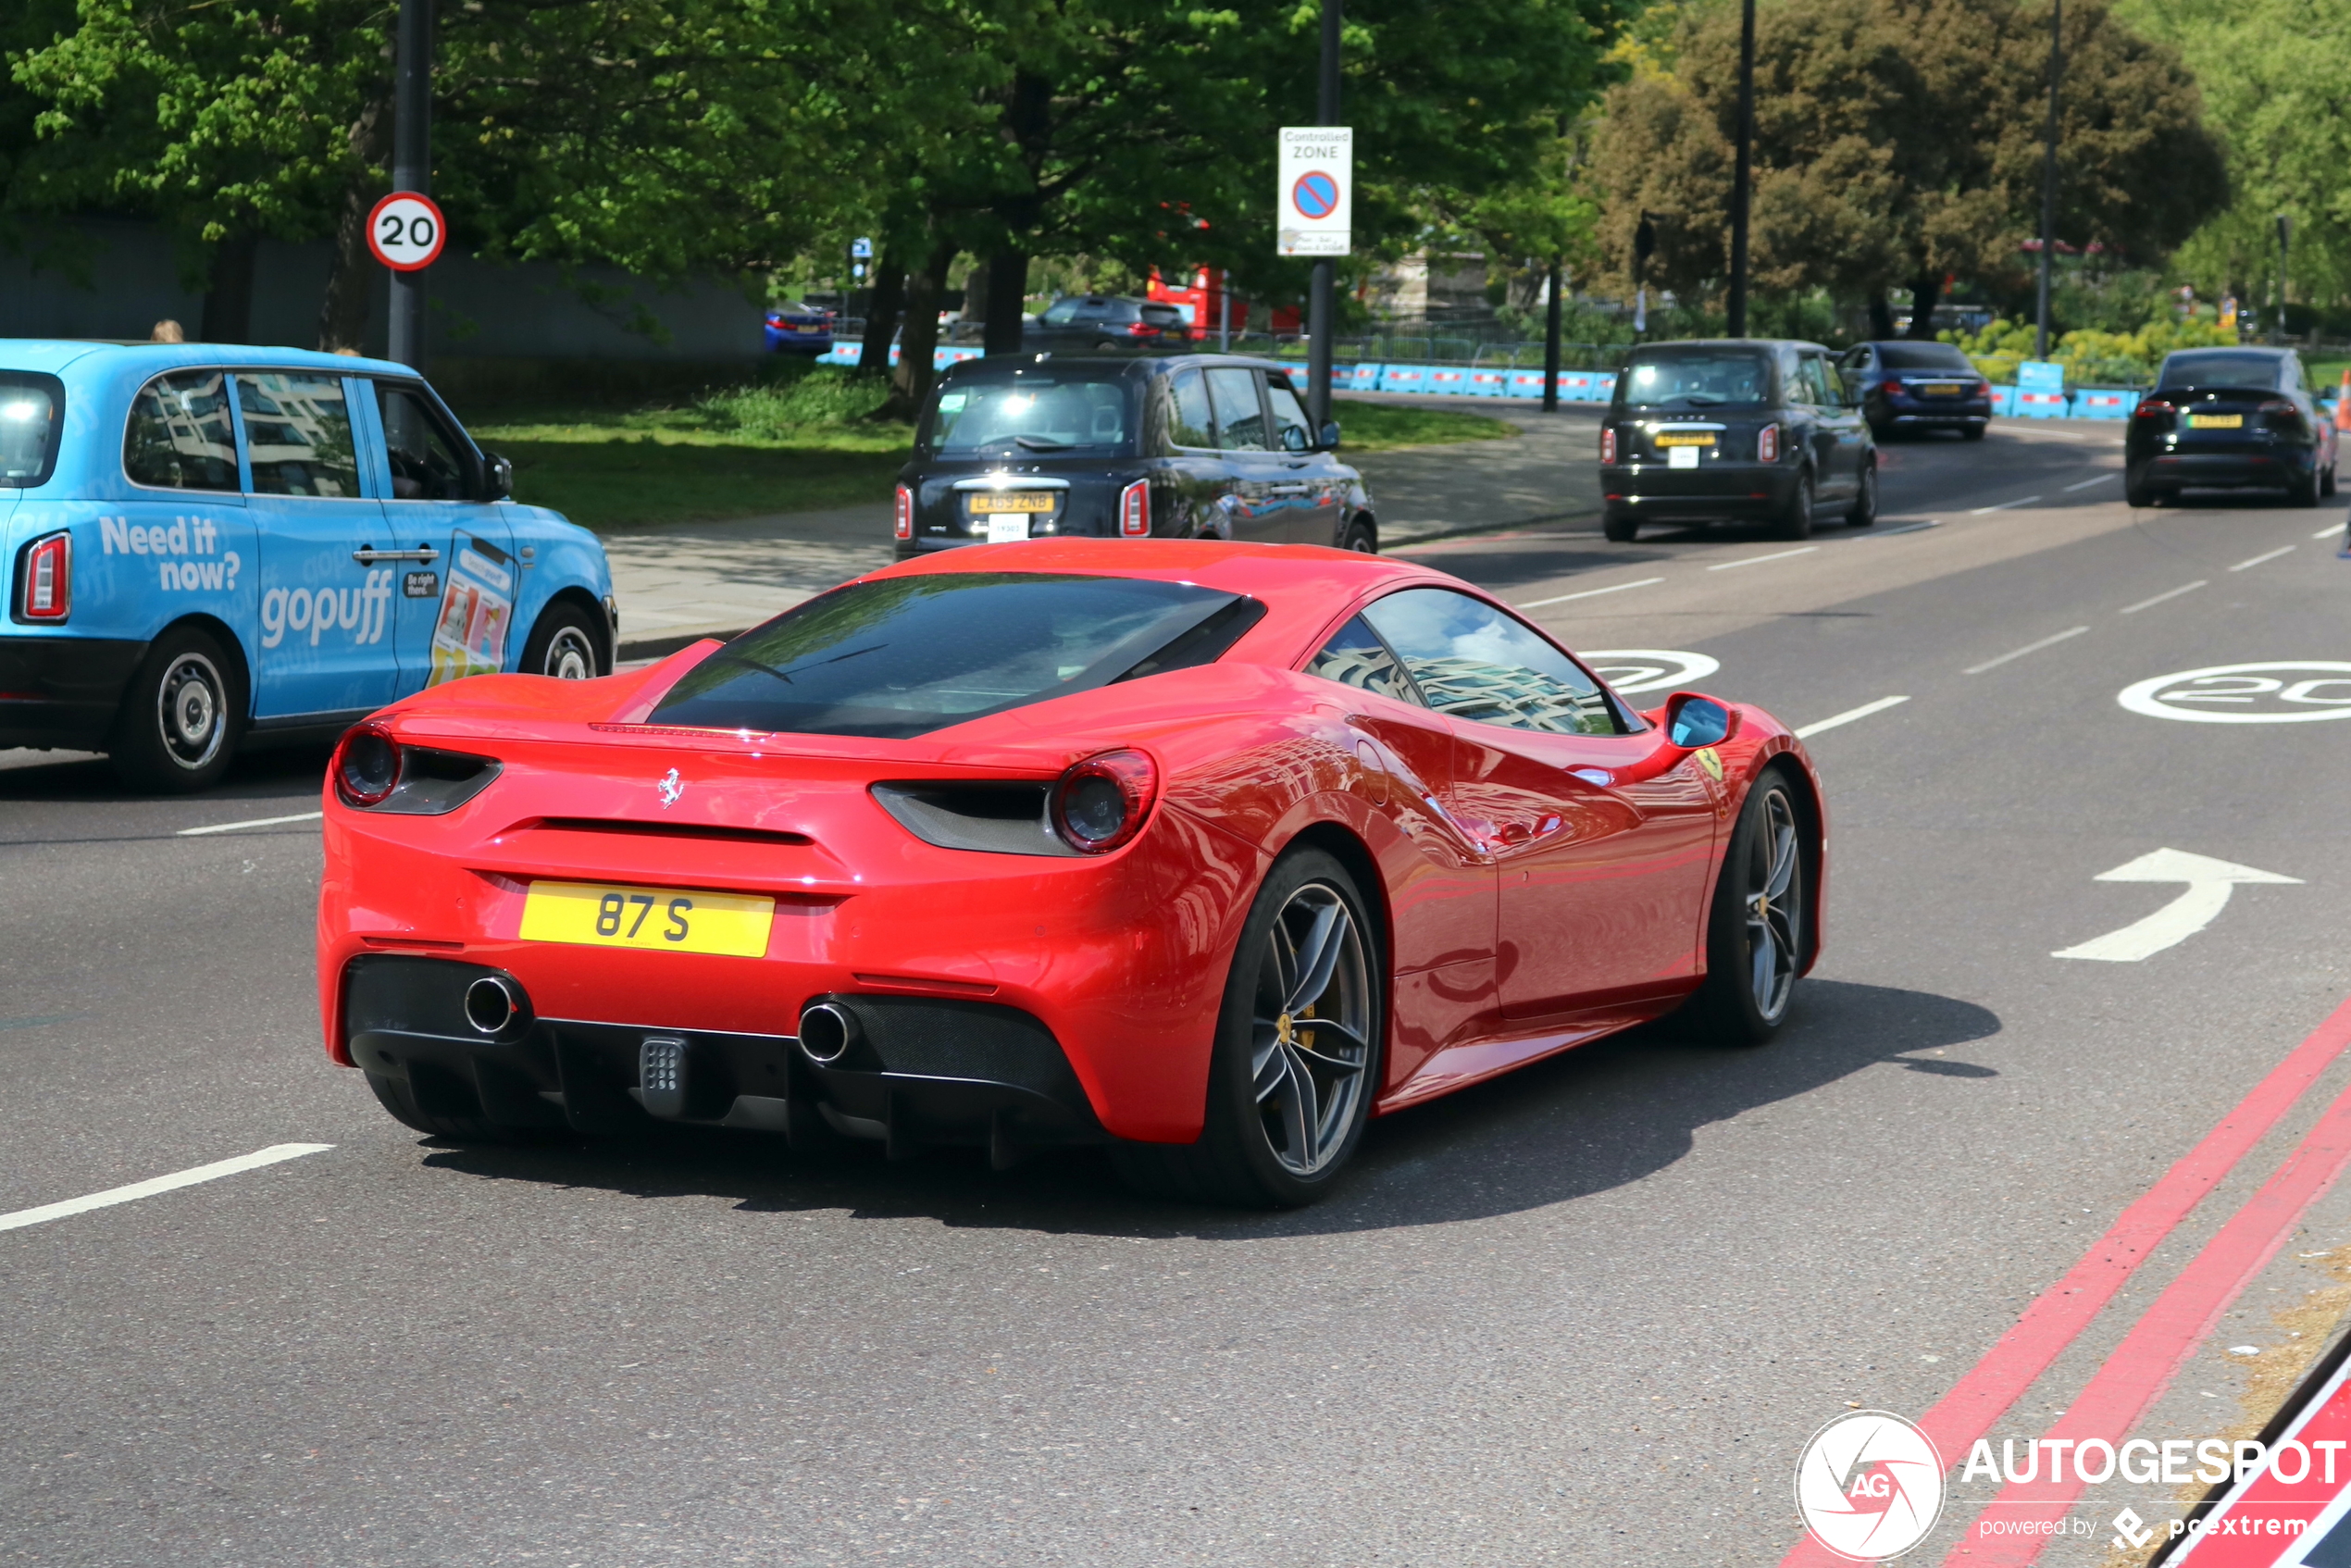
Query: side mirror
{"points": [[1692, 721], [498, 476], [1330, 435]]}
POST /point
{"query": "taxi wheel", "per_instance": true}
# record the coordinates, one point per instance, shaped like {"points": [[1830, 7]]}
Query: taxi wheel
{"points": [[1797, 522], [2326, 481], [1864, 511], [182, 716], [564, 645], [1360, 540], [2303, 492], [1620, 529]]}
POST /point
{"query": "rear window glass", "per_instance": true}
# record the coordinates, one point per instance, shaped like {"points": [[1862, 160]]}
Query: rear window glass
{"points": [[1696, 379], [32, 407], [1922, 357], [906, 655], [2257, 371], [180, 436], [1055, 410]]}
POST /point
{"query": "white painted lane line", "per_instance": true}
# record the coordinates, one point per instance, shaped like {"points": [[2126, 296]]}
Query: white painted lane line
{"points": [[2173, 593], [2271, 556], [148, 1189], [2096, 479], [257, 822], [1592, 592], [2020, 652], [1759, 560], [2210, 883], [2328, 531], [1849, 714], [1906, 528], [2020, 501]]}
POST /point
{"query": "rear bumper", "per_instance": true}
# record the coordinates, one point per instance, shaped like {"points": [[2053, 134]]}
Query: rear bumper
{"points": [[2271, 468], [1908, 416], [925, 1070], [63, 690], [1717, 489]]}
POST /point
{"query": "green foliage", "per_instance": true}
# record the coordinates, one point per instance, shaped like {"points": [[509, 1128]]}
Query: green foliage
{"points": [[2092, 356]]}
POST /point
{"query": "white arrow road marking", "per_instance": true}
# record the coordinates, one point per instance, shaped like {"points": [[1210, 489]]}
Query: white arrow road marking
{"points": [[148, 1189], [2210, 883]]}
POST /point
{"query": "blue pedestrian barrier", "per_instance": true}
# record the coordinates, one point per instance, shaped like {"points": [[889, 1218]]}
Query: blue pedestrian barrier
{"points": [[2003, 402], [1489, 383], [1403, 378], [1452, 382], [2103, 402], [1524, 383], [1363, 377], [1582, 386], [2040, 404]]}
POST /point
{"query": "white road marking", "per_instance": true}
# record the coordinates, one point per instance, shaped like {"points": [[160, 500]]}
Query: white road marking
{"points": [[1649, 669], [2173, 593], [2271, 556], [2020, 652], [257, 822], [2328, 531], [148, 1189], [2020, 501], [2243, 693], [1593, 592], [1759, 560], [1906, 528], [1849, 714], [2098, 479], [2210, 884]]}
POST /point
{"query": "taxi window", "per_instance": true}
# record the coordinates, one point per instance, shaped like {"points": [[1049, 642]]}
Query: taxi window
{"points": [[298, 434], [426, 462], [1474, 661], [32, 407], [179, 436], [1355, 656], [1241, 422], [1188, 420]]}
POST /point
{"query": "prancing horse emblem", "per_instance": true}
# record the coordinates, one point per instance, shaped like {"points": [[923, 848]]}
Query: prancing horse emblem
{"points": [[670, 789]]}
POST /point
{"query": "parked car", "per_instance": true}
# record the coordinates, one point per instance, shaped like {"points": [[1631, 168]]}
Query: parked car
{"points": [[1105, 324], [2229, 418], [1196, 446], [1910, 385], [1742, 429], [795, 327], [210, 547]]}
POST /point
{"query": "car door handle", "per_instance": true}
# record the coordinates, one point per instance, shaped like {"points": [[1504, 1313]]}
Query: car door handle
{"points": [[368, 556]]}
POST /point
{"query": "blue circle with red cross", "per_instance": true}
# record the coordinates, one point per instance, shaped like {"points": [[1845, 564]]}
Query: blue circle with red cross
{"points": [[1316, 194]]}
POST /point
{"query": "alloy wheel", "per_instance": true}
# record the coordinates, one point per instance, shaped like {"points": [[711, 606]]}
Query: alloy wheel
{"points": [[1773, 907], [571, 656], [1311, 1029]]}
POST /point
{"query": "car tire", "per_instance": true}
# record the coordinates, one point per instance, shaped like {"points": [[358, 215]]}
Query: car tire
{"points": [[1797, 522], [394, 1096], [1864, 512], [1620, 529], [564, 644], [2303, 492], [1273, 1137], [1972, 432], [2138, 493], [1746, 994], [1360, 538], [2326, 481], [182, 716]]}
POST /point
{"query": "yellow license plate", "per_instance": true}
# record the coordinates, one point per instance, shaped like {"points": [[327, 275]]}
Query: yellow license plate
{"points": [[1702, 440], [1939, 389], [663, 919], [1019, 501], [2216, 421]]}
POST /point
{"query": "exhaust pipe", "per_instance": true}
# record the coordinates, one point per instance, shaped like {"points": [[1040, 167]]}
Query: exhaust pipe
{"points": [[492, 1005], [827, 1030]]}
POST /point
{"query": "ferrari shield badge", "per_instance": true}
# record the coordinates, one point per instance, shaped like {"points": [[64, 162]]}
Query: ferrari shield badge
{"points": [[1709, 760]]}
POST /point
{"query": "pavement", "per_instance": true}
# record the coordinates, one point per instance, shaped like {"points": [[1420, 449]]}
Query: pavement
{"points": [[1587, 1315], [676, 585]]}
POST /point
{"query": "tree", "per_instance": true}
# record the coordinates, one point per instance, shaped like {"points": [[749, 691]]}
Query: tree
{"points": [[1898, 142]]}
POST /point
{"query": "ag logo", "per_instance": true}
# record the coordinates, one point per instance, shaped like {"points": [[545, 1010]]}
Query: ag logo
{"points": [[1869, 1486], [2279, 692]]}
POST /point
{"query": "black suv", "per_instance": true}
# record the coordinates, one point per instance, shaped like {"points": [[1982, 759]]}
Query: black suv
{"points": [[1735, 430], [1913, 385], [1105, 324], [2226, 417], [1197, 446]]}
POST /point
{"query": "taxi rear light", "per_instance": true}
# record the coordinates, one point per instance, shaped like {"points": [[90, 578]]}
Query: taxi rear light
{"points": [[1608, 444], [47, 577], [902, 513], [1766, 445], [1141, 329], [1135, 510]]}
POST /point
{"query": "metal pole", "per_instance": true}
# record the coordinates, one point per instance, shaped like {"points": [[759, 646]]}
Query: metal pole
{"points": [[2048, 186], [412, 165], [1743, 175], [1551, 343], [1319, 303], [1224, 312], [2285, 231]]}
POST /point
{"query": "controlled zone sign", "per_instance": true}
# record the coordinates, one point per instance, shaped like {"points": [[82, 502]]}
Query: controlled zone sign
{"points": [[1315, 205], [406, 231]]}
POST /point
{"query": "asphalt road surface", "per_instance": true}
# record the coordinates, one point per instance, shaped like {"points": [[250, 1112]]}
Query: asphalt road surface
{"points": [[1586, 1314]]}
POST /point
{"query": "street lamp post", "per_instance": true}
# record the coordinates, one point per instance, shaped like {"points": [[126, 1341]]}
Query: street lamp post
{"points": [[1743, 174], [1320, 304], [411, 164], [2049, 185], [2285, 234]]}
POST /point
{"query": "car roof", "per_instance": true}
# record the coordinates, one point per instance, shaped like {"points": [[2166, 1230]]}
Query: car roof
{"points": [[2231, 350], [55, 354], [1730, 343], [1010, 364]]}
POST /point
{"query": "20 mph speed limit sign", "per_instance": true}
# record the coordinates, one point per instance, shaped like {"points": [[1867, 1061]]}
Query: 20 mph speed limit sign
{"points": [[406, 231], [1316, 208]]}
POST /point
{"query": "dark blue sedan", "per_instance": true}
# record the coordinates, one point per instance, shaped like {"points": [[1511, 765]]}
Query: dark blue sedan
{"points": [[1910, 384], [794, 328]]}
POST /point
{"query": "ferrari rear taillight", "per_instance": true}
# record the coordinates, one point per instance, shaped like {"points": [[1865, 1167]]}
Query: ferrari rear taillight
{"points": [[1135, 510], [1102, 803], [366, 766], [903, 514], [47, 579], [1608, 443], [1766, 445]]}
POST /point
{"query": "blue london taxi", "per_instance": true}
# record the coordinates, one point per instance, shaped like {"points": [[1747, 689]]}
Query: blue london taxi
{"points": [[208, 547]]}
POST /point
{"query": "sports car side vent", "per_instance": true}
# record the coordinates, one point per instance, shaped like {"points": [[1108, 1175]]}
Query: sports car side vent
{"points": [[610, 828], [1007, 819]]}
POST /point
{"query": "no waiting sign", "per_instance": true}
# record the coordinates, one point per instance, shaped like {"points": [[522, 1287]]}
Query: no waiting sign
{"points": [[1315, 170], [406, 231]]}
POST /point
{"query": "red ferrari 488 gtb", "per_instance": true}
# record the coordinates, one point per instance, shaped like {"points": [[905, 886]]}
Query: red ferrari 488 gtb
{"points": [[1207, 853]]}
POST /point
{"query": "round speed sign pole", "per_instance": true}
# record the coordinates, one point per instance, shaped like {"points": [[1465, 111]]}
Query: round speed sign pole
{"points": [[406, 231]]}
